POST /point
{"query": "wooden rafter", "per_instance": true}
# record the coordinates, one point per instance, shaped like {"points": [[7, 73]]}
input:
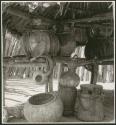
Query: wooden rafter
{"points": [[28, 16], [102, 17]]}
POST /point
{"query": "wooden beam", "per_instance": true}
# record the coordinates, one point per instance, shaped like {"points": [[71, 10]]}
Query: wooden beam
{"points": [[67, 60], [81, 25], [83, 61], [19, 13], [102, 17]]}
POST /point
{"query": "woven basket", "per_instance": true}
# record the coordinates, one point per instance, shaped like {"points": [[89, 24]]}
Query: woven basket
{"points": [[90, 103]]}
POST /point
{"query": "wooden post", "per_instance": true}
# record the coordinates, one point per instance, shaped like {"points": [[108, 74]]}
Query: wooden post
{"points": [[4, 84], [50, 82], [59, 72], [94, 74], [46, 87]]}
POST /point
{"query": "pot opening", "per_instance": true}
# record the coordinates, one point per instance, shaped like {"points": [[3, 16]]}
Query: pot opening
{"points": [[41, 98]]}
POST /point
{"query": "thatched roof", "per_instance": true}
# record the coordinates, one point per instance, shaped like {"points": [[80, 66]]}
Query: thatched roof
{"points": [[19, 16]]}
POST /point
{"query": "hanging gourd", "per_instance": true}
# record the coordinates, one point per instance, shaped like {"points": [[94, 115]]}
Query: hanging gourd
{"points": [[41, 76]]}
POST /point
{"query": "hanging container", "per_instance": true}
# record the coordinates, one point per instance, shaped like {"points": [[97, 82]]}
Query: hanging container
{"points": [[43, 107], [39, 42], [41, 76], [80, 36], [90, 105], [67, 43]]}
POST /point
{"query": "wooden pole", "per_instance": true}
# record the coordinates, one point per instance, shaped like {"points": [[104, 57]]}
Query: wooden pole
{"points": [[100, 17], [59, 72], [94, 74], [50, 82]]}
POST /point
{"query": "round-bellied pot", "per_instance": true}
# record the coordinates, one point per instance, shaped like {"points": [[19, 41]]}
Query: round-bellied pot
{"points": [[69, 79], [43, 107]]}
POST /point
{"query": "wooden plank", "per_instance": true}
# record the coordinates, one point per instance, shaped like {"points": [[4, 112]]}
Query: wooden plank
{"points": [[83, 61], [101, 17], [68, 61]]}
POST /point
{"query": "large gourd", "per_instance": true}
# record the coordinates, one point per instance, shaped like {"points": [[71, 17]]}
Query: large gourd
{"points": [[39, 42]]}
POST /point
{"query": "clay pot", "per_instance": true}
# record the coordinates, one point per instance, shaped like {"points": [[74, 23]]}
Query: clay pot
{"points": [[68, 97], [43, 107]]}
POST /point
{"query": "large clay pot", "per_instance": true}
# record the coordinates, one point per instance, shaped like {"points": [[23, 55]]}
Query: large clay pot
{"points": [[38, 42], [68, 97], [43, 107], [90, 105]]}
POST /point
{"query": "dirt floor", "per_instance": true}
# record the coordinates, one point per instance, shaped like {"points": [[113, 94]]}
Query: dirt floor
{"points": [[18, 91]]}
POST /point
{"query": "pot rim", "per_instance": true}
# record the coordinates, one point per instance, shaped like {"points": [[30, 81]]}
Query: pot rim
{"points": [[54, 98]]}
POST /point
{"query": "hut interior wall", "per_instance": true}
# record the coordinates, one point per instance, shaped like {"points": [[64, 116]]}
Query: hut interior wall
{"points": [[14, 47]]}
